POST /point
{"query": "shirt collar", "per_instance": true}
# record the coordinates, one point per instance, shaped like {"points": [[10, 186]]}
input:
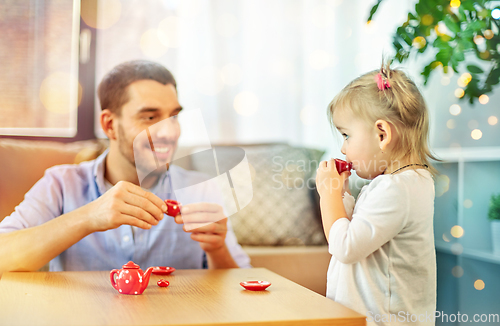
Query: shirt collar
{"points": [[99, 165], [162, 187]]}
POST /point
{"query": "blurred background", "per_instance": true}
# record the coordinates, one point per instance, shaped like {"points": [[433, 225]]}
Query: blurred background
{"points": [[261, 72]]}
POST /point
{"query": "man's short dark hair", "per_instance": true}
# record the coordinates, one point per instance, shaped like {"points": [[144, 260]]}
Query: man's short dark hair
{"points": [[112, 90]]}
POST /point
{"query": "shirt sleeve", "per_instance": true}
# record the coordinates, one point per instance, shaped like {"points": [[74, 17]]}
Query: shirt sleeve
{"points": [[41, 203], [349, 203], [381, 215]]}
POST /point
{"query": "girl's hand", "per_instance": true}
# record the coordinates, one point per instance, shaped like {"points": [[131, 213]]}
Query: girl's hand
{"points": [[328, 180]]}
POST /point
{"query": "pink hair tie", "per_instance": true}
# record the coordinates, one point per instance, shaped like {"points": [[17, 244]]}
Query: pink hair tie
{"points": [[382, 83]]}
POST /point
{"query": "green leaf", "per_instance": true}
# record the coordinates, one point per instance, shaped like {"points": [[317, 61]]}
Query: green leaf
{"points": [[405, 36], [458, 54], [493, 77], [468, 5], [374, 10], [465, 44], [444, 57], [451, 24], [474, 69], [461, 14], [440, 44]]}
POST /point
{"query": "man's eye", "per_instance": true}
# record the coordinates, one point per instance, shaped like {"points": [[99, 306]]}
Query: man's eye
{"points": [[175, 117], [345, 136]]}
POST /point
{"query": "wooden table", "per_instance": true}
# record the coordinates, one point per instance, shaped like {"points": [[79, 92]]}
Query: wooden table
{"points": [[194, 297]]}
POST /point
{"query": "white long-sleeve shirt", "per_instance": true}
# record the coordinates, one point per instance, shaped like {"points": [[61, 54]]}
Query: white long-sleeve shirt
{"points": [[383, 257]]}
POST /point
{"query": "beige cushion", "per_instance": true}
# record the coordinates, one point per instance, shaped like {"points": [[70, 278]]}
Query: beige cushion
{"points": [[282, 210]]}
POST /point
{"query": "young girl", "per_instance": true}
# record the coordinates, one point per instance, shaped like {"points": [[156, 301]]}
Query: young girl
{"points": [[383, 258]]}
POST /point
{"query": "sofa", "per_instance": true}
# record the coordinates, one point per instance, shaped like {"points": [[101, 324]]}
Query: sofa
{"points": [[280, 229]]}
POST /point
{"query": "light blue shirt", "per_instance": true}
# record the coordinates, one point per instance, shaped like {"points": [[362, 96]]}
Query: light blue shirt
{"points": [[65, 188]]}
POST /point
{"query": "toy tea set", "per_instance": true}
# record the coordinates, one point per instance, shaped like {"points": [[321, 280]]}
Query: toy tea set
{"points": [[132, 280]]}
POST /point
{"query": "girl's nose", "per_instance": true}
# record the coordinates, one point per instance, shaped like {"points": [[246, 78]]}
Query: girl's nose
{"points": [[343, 148]]}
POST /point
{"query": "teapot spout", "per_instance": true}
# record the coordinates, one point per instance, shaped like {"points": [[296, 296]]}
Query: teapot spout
{"points": [[145, 278]]}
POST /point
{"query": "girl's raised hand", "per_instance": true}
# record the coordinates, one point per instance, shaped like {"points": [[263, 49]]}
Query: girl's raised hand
{"points": [[328, 181]]}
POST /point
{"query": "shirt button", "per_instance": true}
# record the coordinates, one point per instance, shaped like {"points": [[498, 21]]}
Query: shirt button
{"points": [[126, 238]]}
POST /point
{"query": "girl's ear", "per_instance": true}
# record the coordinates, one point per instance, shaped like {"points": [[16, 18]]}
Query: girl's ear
{"points": [[384, 133], [107, 123]]}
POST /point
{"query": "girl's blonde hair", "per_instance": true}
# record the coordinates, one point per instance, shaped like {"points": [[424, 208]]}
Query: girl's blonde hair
{"points": [[400, 103]]}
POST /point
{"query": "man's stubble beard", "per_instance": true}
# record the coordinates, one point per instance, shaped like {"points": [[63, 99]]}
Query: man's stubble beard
{"points": [[126, 148]]}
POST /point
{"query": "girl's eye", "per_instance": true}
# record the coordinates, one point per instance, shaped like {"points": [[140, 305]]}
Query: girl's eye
{"points": [[345, 136]]}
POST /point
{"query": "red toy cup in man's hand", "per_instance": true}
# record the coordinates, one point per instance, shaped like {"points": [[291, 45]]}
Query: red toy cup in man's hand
{"points": [[173, 207], [342, 165]]}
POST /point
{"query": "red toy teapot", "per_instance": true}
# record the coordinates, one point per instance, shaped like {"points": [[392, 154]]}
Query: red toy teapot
{"points": [[130, 279]]}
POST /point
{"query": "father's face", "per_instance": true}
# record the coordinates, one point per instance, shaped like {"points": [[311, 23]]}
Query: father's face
{"points": [[153, 107]]}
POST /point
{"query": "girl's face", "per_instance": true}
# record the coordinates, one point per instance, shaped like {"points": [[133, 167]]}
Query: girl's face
{"points": [[361, 144]]}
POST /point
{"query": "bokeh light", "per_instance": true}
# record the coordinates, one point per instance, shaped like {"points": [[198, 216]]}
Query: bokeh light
{"points": [[484, 55], [455, 109], [151, 45], [488, 34], [445, 238], [168, 31], [308, 115], [419, 42], [442, 184], [209, 81], [479, 39], [246, 103], [459, 93], [476, 134], [56, 92], [370, 27], [457, 271], [101, 14], [495, 13], [455, 3], [479, 285], [484, 99], [492, 120], [468, 203], [457, 231], [451, 124], [427, 20], [319, 59], [464, 79], [227, 25], [473, 124], [231, 74], [445, 81]]}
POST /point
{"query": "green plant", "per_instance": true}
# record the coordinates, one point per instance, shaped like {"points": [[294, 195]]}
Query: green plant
{"points": [[459, 31], [494, 210]]}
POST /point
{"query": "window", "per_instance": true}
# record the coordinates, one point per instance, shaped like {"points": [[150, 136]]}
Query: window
{"points": [[39, 89]]}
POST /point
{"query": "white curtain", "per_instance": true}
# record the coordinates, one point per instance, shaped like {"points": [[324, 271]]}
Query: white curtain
{"points": [[261, 70]]}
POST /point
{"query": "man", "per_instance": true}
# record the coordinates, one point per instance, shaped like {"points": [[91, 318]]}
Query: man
{"points": [[96, 215]]}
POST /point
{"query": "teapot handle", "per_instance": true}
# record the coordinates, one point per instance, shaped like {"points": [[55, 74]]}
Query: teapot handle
{"points": [[112, 278]]}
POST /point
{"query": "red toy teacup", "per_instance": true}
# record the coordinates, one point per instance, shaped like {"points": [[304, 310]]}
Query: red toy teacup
{"points": [[173, 207]]}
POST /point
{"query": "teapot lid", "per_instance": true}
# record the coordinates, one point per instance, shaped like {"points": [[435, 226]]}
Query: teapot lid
{"points": [[130, 265]]}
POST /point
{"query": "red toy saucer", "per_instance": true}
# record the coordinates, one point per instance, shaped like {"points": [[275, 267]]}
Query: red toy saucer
{"points": [[163, 270], [255, 285]]}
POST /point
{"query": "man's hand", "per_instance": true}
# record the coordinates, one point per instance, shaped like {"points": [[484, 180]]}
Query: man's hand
{"points": [[329, 181], [125, 203], [207, 224]]}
